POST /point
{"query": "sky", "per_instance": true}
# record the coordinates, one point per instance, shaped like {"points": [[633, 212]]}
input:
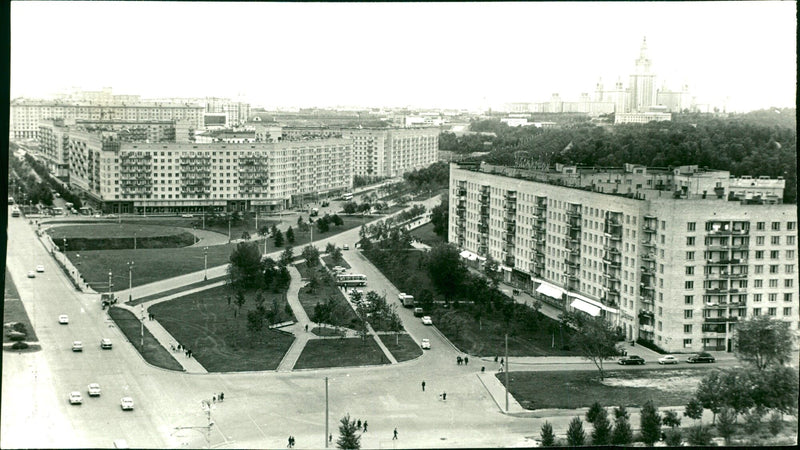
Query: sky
{"points": [[427, 55]]}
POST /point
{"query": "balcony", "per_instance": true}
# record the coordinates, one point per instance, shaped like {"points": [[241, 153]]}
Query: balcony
{"points": [[648, 257], [720, 319], [646, 328], [649, 244], [572, 264], [612, 263], [574, 213], [509, 261], [648, 229], [461, 192]]}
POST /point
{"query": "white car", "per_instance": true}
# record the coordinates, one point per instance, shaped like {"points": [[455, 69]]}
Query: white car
{"points": [[94, 390], [187, 216], [426, 320], [75, 398], [126, 403], [31, 274], [426, 344], [63, 319], [40, 268], [77, 346], [669, 359], [105, 344], [345, 247]]}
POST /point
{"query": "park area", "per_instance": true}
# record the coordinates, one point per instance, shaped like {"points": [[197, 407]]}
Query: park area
{"points": [[341, 352], [14, 313], [324, 291], [211, 325]]}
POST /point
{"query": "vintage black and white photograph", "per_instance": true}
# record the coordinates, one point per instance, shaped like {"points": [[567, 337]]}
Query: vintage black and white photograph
{"points": [[401, 225]]}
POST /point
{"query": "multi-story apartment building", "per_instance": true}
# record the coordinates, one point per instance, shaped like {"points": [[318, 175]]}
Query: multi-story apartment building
{"points": [[674, 256], [25, 115], [137, 177], [54, 147], [391, 152]]}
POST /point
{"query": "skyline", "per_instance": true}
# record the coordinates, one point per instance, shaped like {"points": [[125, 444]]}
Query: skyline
{"points": [[447, 55]]}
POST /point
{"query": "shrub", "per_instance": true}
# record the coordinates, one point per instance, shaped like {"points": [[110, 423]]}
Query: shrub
{"points": [[726, 423], [775, 423], [622, 434], [601, 435], [19, 345], [674, 438], [548, 438], [19, 327], [752, 421], [593, 412], [699, 436], [16, 336], [575, 434], [650, 423]]}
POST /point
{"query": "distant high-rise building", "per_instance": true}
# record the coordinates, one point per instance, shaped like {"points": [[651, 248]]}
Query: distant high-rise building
{"points": [[641, 87]]}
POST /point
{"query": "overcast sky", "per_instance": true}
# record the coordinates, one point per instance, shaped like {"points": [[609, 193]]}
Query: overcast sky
{"points": [[417, 54]]}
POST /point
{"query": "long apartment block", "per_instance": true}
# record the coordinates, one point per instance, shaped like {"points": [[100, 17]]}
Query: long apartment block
{"points": [[675, 256]]}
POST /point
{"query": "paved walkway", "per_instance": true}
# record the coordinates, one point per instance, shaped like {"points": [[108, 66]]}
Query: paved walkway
{"points": [[298, 329], [497, 391]]}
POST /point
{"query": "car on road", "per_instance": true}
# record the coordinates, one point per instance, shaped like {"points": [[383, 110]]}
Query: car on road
{"points": [[345, 247], [187, 216], [701, 358], [668, 359], [31, 274], [94, 390], [75, 398], [77, 346], [631, 359], [426, 320], [126, 403], [111, 216], [63, 319], [426, 344], [40, 268], [419, 312], [105, 344]]}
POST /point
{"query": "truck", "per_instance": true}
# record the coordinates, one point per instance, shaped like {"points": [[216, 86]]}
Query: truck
{"points": [[107, 299], [405, 299]]}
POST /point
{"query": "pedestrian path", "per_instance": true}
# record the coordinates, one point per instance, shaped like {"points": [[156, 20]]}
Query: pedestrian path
{"points": [[301, 336], [497, 391]]}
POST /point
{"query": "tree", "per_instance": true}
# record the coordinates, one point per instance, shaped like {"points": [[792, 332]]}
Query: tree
{"points": [[622, 434], [395, 324], [350, 208], [752, 420], [336, 220], [330, 247], [694, 409], [763, 341], [601, 434], [454, 321], [255, 321], [239, 300], [245, 265], [348, 439], [336, 255], [322, 313], [245, 235], [621, 413], [650, 423], [594, 411], [775, 423], [710, 394], [671, 419], [323, 224], [674, 438], [311, 255], [447, 271], [726, 423], [548, 438], [594, 338], [575, 434], [699, 436], [776, 388], [278, 238], [290, 235], [492, 270], [287, 255], [440, 217]]}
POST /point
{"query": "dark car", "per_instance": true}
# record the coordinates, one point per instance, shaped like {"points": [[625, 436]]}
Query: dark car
{"points": [[701, 358], [631, 359]]}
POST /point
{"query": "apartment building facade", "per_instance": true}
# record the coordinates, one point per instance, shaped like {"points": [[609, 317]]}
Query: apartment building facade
{"points": [[669, 256], [391, 152]]}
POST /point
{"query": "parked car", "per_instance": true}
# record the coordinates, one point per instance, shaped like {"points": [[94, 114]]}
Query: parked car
{"points": [[426, 344], [701, 358], [111, 216], [187, 216], [77, 346], [126, 403], [345, 247], [75, 398], [668, 359], [105, 343], [631, 359], [40, 268], [426, 320], [31, 274], [94, 390], [63, 319], [419, 312]]}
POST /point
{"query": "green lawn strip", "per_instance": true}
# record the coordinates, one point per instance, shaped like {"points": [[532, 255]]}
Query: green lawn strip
{"points": [[14, 310], [189, 287], [326, 291], [426, 235], [407, 348], [578, 389], [150, 265], [111, 230], [330, 263], [345, 352], [219, 339], [112, 236], [326, 331], [153, 352]]}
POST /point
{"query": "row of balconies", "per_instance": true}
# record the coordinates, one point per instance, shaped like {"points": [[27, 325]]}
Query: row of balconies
{"points": [[739, 232]]}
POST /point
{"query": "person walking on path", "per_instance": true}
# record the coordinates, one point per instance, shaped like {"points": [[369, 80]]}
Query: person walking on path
{"points": [[444, 396], [221, 396], [466, 360], [394, 438], [365, 426], [358, 424], [423, 385]]}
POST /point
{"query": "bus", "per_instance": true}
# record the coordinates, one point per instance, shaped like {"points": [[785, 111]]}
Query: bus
{"points": [[347, 197], [14, 211], [58, 211], [351, 279]]}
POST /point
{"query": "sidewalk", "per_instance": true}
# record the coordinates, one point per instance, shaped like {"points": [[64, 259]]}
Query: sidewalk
{"points": [[498, 393], [301, 337]]}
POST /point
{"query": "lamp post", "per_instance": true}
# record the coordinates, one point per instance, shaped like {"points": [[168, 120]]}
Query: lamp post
{"points": [[65, 246], [134, 240], [326, 413], [141, 322], [229, 227], [130, 280], [194, 233], [109, 282], [205, 263]]}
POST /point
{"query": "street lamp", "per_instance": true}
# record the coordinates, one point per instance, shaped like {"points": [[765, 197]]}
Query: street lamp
{"points": [[130, 280], [194, 233], [229, 227], [65, 246], [109, 282], [142, 325], [205, 263]]}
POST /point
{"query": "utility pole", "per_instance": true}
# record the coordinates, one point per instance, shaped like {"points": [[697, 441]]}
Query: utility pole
{"points": [[507, 364], [205, 263], [229, 227], [325, 438], [130, 280], [109, 282], [141, 321]]}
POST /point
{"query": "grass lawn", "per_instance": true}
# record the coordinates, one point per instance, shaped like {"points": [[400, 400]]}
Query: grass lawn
{"points": [[346, 352], [189, 287], [325, 331], [113, 236], [110, 230], [329, 262], [205, 323], [327, 290], [577, 389], [14, 311], [426, 235], [408, 349], [152, 352]]}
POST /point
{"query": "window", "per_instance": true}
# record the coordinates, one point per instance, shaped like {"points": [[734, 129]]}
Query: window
{"points": [[773, 283], [787, 297], [775, 240], [756, 312], [759, 254], [789, 240], [790, 225], [787, 311], [690, 241], [687, 328], [787, 283], [772, 311], [690, 226], [688, 285], [758, 283], [687, 343], [756, 298], [689, 270], [773, 268], [776, 226], [759, 240], [690, 256], [789, 254], [759, 269], [760, 226], [687, 313], [688, 299], [774, 254], [660, 311], [773, 297]]}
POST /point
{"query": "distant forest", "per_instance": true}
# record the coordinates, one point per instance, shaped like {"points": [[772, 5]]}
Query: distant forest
{"points": [[757, 143]]}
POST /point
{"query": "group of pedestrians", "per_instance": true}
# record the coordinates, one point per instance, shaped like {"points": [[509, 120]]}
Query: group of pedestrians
{"points": [[220, 397], [291, 442], [360, 426], [183, 348], [442, 396], [460, 360]]}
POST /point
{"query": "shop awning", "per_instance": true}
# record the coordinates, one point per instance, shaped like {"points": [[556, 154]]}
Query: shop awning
{"points": [[585, 307], [468, 255], [594, 303], [550, 290]]}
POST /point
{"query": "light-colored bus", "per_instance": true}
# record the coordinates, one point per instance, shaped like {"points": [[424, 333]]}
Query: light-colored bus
{"points": [[58, 211], [351, 279], [347, 197]]}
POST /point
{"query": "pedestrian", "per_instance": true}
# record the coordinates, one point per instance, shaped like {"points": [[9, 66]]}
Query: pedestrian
{"points": [[483, 368], [214, 398], [289, 444], [306, 328], [190, 353], [466, 360], [423, 385], [394, 438], [458, 360], [444, 396], [365, 426], [330, 438], [501, 368], [495, 358], [358, 424], [501, 361], [173, 347], [180, 347], [221, 396]]}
